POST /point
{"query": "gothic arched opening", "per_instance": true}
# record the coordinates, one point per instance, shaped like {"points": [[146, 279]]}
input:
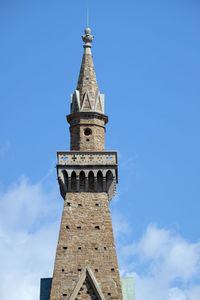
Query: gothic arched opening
{"points": [[109, 179], [73, 181], [99, 182], [82, 181], [91, 181], [65, 175]]}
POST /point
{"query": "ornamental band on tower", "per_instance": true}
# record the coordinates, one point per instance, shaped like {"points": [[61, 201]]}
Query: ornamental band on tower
{"points": [[86, 263]]}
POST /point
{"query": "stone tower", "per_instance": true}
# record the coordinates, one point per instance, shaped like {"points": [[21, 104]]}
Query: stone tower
{"points": [[86, 263]]}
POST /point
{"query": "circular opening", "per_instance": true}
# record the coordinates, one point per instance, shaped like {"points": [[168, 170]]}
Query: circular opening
{"points": [[87, 131]]}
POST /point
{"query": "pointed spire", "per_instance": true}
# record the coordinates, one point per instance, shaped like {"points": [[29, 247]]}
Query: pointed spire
{"points": [[87, 96], [87, 82]]}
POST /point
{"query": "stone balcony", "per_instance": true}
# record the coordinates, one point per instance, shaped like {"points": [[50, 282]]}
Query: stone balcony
{"points": [[82, 158], [80, 171]]}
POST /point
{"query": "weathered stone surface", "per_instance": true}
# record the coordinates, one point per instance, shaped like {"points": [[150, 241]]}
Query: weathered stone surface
{"points": [[87, 80], [126, 282], [86, 239], [83, 140]]}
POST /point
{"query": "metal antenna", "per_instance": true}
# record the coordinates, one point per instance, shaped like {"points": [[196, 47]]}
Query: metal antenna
{"points": [[87, 17]]}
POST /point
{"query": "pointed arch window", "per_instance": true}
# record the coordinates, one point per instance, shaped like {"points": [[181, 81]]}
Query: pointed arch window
{"points": [[65, 175], [109, 179], [82, 181], [99, 181], [73, 181], [91, 181]]}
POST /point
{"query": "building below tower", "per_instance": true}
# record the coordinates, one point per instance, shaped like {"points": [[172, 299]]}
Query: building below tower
{"points": [[127, 288]]}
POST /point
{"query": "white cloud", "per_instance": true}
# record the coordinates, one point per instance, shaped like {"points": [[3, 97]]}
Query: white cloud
{"points": [[166, 265], [120, 225], [193, 293], [28, 236], [177, 294]]}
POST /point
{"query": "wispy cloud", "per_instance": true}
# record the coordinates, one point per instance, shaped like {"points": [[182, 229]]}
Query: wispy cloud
{"points": [[127, 162], [28, 236], [164, 264]]}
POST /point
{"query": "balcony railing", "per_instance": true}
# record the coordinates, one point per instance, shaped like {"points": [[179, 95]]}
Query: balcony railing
{"points": [[87, 158]]}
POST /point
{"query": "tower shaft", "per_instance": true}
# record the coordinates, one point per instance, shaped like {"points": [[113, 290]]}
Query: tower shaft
{"points": [[86, 262], [86, 239]]}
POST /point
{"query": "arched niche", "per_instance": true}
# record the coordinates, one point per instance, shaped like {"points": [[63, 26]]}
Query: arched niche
{"points": [[91, 181], [109, 179], [65, 177], [99, 181], [82, 181], [73, 181]]}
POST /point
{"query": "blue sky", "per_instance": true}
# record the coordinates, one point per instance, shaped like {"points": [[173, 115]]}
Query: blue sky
{"points": [[147, 62]]}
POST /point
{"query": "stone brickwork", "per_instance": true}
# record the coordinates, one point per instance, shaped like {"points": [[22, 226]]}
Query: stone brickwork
{"points": [[87, 172], [86, 263], [87, 291], [82, 158], [86, 238], [87, 80], [126, 282], [87, 131]]}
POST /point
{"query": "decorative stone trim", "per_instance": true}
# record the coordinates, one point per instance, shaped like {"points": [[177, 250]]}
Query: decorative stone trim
{"points": [[87, 273], [78, 104], [82, 158], [86, 115]]}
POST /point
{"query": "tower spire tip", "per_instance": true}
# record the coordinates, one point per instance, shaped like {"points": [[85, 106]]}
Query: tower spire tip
{"points": [[87, 38]]}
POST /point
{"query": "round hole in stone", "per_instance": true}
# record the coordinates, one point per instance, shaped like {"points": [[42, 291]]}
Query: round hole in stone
{"points": [[87, 131]]}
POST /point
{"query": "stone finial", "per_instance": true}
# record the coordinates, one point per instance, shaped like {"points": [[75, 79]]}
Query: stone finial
{"points": [[87, 38]]}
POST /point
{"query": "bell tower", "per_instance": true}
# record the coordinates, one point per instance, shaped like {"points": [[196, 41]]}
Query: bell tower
{"points": [[87, 119], [86, 263]]}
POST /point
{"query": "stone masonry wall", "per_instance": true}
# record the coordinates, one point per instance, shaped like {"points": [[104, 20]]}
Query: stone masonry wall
{"points": [[92, 142], [87, 79], [86, 239]]}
